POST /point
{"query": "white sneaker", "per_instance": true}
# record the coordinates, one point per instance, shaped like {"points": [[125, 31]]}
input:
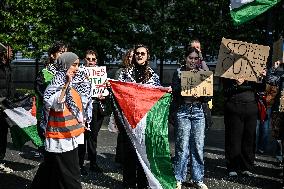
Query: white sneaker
{"points": [[247, 173], [5, 169], [233, 174], [199, 185], [178, 186]]}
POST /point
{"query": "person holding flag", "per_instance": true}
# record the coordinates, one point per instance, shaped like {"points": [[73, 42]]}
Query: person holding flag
{"points": [[138, 71]]}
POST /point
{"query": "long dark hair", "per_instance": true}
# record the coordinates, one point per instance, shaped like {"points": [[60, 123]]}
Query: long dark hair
{"points": [[187, 52], [142, 73], [56, 47]]}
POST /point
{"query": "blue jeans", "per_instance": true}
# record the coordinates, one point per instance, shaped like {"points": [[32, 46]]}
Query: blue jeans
{"points": [[262, 132], [189, 142]]}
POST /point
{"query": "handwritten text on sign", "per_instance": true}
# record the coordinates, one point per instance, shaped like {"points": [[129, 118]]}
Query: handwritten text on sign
{"points": [[197, 83], [97, 77], [239, 59]]}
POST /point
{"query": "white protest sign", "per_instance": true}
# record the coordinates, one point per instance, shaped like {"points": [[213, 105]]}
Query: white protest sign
{"points": [[197, 83], [97, 77], [239, 59]]}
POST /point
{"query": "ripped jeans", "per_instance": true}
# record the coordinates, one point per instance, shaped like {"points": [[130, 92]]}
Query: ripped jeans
{"points": [[189, 142]]}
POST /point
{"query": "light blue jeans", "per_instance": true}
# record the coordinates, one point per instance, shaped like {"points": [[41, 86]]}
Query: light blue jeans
{"points": [[189, 142]]}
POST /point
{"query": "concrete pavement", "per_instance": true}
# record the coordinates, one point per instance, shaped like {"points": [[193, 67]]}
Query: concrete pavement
{"points": [[266, 173]]}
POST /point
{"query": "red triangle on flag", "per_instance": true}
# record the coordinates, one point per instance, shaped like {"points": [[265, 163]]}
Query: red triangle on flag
{"points": [[135, 100]]}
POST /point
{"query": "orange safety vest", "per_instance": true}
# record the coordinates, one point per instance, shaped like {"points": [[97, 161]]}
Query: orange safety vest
{"points": [[64, 124]]}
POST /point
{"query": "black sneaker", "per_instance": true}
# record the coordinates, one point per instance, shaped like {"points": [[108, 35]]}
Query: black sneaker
{"points": [[83, 171], [95, 168]]}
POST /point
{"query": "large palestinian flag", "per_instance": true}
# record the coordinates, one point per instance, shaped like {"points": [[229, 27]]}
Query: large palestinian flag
{"points": [[143, 111]]}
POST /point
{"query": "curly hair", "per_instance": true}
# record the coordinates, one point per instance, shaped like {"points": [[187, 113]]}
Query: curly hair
{"points": [[147, 74], [126, 62]]}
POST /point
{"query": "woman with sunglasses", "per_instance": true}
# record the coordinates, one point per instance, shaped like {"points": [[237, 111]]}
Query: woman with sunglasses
{"points": [[189, 126], [97, 117], [138, 71]]}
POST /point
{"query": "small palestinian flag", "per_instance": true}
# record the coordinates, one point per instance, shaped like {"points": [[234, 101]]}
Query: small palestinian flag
{"points": [[23, 128], [143, 111]]}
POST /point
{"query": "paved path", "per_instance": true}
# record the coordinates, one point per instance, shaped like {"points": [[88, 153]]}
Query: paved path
{"points": [[24, 164]]}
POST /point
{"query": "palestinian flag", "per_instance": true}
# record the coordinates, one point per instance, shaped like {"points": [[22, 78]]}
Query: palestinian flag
{"points": [[143, 111], [23, 127], [245, 10]]}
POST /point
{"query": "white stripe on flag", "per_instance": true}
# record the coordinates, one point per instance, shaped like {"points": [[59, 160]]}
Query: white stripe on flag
{"points": [[140, 148], [239, 3], [21, 117]]}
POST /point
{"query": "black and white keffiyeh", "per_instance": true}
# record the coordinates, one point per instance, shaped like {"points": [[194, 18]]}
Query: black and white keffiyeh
{"points": [[64, 62], [130, 75]]}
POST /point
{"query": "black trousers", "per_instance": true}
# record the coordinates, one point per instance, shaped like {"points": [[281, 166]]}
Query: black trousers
{"points": [[119, 148], [133, 173], [240, 127], [58, 171], [91, 138], [3, 135]]}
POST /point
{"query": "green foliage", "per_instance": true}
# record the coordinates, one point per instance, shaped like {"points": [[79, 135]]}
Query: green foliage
{"points": [[112, 26]]}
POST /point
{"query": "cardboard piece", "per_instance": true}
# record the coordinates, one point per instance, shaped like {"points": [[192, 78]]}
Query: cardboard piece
{"points": [[196, 83], [278, 48], [239, 59], [97, 77]]}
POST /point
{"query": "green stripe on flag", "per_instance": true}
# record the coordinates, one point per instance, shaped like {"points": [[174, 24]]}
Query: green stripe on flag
{"points": [[22, 135], [157, 143], [251, 10]]}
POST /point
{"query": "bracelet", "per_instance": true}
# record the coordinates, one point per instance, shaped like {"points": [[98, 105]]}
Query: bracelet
{"points": [[64, 87]]}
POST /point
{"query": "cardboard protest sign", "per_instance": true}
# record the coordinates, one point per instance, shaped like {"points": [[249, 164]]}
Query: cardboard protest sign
{"points": [[278, 48], [239, 59], [97, 77], [197, 83]]}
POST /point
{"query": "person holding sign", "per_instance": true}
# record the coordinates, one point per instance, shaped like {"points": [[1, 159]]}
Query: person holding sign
{"points": [[189, 126], [64, 129], [240, 118], [91, 135]]}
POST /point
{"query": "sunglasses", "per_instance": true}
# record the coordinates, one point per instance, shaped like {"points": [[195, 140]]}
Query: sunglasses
{"points": [[91, 59], [142, 53]]}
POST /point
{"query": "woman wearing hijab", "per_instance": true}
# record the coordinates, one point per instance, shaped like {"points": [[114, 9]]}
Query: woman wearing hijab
{"points": [[138, 71], [64, 128]]}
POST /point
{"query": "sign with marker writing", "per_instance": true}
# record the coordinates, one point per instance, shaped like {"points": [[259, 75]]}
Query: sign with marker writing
{"points": [[239, 59], [197, 83], [97, 77]]}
